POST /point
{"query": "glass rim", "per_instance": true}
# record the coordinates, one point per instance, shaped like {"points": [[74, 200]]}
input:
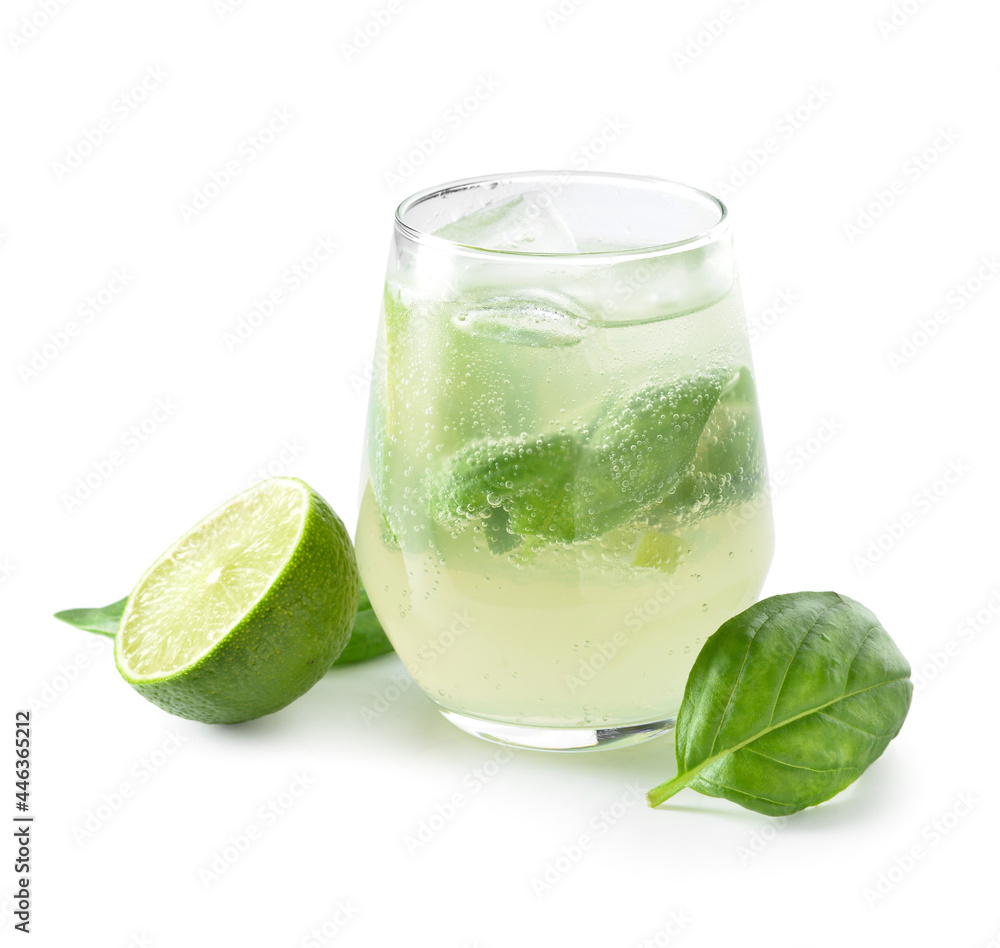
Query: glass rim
{"points": [[561, 178]]}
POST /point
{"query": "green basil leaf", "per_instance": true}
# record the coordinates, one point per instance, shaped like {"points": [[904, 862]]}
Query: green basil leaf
{"points": [[368, 638], [728, 468], [638, 452], [559, 488], [531, 480], [788, 703], [103, 620], [499, 537]]}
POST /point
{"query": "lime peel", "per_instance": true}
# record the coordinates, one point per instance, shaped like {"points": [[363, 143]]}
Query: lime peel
{"points": [[247, 611]]}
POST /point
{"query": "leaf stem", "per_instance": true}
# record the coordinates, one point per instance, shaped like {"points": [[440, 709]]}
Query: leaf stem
{"points": [[666, 790]]}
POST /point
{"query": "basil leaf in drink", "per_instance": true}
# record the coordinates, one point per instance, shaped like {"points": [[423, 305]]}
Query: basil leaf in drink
{"points": [[728, 467], [538, 488], [740, 388], [381, 422], [499, 538], [103, 620], [559, 488], [788, 703], [639, 450], [531, 481]]}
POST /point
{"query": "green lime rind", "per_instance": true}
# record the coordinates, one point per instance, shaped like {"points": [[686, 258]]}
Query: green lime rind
{"points": [[281, 646], [368, 638], [103, 620]]}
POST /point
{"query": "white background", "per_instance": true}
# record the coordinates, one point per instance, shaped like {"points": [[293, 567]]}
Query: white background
{"points": [[163, 798]]}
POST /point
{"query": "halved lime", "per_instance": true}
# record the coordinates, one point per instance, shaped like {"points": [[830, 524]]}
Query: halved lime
{"points": [[246, 611]]}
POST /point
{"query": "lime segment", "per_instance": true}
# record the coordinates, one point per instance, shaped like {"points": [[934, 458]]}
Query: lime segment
{"points": [[246, 611], [200, 588]]}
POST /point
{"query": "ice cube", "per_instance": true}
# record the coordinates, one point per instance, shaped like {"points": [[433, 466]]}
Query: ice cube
{"points": [[655, 287], [528, 223], [539, 319]]}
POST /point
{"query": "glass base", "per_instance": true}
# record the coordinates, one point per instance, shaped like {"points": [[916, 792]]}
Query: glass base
{"points": [[557, 738]]}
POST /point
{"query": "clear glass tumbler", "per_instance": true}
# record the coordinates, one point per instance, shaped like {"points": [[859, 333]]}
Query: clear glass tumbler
{"points": [[565, 489]]}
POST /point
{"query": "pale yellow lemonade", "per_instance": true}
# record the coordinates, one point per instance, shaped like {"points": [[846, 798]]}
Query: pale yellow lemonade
{"points": [[565, 496]]}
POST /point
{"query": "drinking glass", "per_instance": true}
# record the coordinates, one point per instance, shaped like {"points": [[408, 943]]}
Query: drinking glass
{"points": [[564, 490]]}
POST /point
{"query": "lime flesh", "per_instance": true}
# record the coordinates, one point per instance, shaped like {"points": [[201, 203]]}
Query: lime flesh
{"points": [[246, 611]]}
